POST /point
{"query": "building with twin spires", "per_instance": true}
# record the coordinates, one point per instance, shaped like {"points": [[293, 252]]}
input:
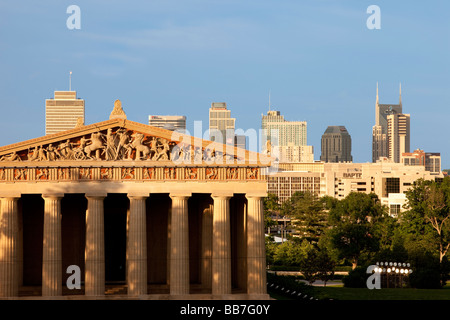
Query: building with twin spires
{"points": [[391, 132]]}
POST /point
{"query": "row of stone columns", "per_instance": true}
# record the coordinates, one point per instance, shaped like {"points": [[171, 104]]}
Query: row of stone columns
{"points": [[178, 265]]}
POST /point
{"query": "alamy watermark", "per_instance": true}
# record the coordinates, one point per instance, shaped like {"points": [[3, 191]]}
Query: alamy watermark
{"points": [[74, 20], [374, 20], [74, 280]]}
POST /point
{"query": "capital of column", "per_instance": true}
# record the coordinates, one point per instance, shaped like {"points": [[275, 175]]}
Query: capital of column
{"points": [[10, 198], [222, 196], [97, 196], [255, 195], [53, 196], [138, 195], [182, 195]]}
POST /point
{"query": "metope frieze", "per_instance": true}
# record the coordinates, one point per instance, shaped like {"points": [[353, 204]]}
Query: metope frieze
{"points": [[82, 174]]}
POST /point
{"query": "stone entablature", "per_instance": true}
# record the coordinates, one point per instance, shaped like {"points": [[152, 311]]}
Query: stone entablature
{"points": [[121, 171]]}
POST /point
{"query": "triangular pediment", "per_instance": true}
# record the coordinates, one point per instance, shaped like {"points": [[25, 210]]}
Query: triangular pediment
{"points": [[124, 140]]}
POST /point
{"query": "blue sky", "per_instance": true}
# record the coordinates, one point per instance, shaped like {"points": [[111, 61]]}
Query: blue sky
{"points": [[317, 58]]}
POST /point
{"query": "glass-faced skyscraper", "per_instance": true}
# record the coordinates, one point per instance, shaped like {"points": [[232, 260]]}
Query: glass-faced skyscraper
{"points": [[288, 138]]}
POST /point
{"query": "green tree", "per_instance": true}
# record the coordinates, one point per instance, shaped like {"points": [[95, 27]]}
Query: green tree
{"points": [[355, 226], [316, 263], [272, 209], [308, 214], [428, 214]]}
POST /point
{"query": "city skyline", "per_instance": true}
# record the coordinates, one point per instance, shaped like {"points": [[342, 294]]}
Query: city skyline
{"points": [[319, 61]]}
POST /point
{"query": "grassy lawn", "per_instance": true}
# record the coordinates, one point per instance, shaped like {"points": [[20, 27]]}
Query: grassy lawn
{"points": [[341, 293], [338, 292]]}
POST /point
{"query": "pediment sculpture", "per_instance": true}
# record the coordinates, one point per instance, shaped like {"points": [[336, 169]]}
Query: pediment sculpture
{"points": [[115, 144]]}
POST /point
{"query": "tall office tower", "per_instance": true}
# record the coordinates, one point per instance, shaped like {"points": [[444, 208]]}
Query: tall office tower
{"points": [[336, 145], [390, 134], [63, 112], [221, 125], [289, 137], [168, 122], [398, 135]]}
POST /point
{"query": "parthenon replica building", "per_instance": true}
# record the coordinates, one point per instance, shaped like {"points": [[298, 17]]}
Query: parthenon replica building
{"points": [[141, 212]]}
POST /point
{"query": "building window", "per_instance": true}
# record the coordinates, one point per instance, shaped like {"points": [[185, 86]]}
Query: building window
{"points": [[392, 185], [394, 210]]}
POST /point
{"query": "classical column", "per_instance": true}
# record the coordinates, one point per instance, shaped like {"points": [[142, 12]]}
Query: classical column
{"points": [[256, 255], [207, 227], [179, 245], [9, 277], [95, 246], [221, 247], [51, 255], [137, 247]]}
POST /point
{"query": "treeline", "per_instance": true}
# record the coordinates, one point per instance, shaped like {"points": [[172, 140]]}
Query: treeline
{"points": [[358, 231]]}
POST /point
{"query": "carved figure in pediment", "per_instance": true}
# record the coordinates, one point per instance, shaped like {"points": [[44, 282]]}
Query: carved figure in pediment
{"points": [[163, 151], [41, 154], [51, 153], [110, 148], [96, 145], [11, 157], [34, 154], [66, 150], [198, 155], [189, 154], [153, 147], [207, 154], [142, 151], [123, 148]]}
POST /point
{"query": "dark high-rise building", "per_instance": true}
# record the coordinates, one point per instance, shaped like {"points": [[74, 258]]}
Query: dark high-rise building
{"points": [[336, 145]]}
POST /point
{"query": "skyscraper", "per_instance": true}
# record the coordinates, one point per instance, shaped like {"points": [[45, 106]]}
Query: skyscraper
{"points": [[398, 136], [168, 122], [288, 137], [390, 134], [336, 145], [63, 112], [221, 125]]}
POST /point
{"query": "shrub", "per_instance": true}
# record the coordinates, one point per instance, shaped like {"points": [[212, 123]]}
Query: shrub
{"points": [[356, 278]]}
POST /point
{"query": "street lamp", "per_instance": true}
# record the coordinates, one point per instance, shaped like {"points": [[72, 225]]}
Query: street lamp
{"points": [[394, 273]]}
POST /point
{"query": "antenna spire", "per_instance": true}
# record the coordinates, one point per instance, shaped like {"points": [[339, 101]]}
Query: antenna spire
{"points": [[377, 92], [269, 100], [70, 81], [400, 93]]}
